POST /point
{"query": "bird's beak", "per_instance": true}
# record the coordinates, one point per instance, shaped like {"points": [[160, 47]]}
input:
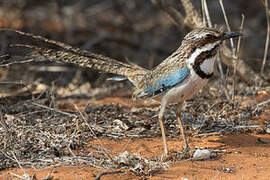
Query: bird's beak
{"points": [[229, 35]]}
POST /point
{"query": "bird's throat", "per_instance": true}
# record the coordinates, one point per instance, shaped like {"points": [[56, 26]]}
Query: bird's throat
{"points": [[204, 63], [201, 73]]}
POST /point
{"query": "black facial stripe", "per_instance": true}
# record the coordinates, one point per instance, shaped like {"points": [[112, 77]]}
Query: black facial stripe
{"points": [[201, 58], [201, 73]]}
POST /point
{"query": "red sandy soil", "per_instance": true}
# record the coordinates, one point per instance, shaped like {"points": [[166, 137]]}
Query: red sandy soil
{"points": [[249, 158], [247, 155]]}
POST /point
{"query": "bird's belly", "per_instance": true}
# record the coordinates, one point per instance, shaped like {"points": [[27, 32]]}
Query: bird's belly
{"points": [[185, 90]]}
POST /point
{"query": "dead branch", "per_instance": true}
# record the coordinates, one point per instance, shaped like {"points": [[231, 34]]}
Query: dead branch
{"points": [[237, 56], [175, 15], [193, 19], [107, 172], [54, 109], [267, 36]]}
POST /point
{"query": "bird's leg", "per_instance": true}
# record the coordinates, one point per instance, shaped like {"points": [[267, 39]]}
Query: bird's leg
{"points": [[178, 116], [160, 116]]}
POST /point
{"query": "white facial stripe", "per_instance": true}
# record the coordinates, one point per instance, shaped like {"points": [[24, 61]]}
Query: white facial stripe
{"points": [[208, 65], [198, 51], [199, 35]]}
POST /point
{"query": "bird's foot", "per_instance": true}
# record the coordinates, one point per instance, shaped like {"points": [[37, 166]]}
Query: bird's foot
{"points": [[168, 156]]}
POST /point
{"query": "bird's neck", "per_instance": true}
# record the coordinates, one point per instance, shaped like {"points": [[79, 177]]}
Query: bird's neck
{"points": [[202, 60], [205, 68]]}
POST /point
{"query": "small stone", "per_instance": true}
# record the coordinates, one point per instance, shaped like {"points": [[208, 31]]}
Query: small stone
{"points": [[9, 117], [201, 154], [120, 124], [182, 178], [267, 130], [196, 126]]}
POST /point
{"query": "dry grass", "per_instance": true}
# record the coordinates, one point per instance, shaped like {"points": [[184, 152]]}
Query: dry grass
{"points": [[37, 136]]}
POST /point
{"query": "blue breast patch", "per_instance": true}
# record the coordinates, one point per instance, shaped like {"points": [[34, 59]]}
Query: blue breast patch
{"points": [[167, 82]]}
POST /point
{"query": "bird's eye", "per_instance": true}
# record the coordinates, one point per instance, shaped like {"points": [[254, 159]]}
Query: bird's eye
{"points": [[210, 37]]}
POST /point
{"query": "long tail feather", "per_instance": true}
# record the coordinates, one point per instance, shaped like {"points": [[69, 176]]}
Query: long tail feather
{"points": [[68, 54]]}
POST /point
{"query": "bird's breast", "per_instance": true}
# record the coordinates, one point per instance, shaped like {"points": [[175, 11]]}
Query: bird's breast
{"points": [[186, 90]]}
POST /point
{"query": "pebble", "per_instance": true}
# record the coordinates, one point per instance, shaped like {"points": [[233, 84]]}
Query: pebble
{"points": [[201, 154]]}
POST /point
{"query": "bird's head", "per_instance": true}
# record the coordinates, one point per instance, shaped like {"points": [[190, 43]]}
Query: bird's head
{"points": [[201, 45], [203, 36]]}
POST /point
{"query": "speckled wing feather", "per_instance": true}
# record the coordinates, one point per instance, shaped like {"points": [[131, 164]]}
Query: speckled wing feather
{"points": [[159, 86], [166, 75]]}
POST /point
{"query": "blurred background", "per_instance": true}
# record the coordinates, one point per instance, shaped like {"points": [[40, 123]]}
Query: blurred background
{"points": [[126, 30], [40, 122]]}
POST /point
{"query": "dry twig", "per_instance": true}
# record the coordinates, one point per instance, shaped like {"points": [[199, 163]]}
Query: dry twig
{"points": [[206, 12], [228, 26], [100, 143], [192, 19], [237, 56], [107, 172], [175, 15], [267, 36], [54, 109]]}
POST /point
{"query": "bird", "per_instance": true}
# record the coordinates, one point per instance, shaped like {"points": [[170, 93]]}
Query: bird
{"points": [[177, 78]]}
